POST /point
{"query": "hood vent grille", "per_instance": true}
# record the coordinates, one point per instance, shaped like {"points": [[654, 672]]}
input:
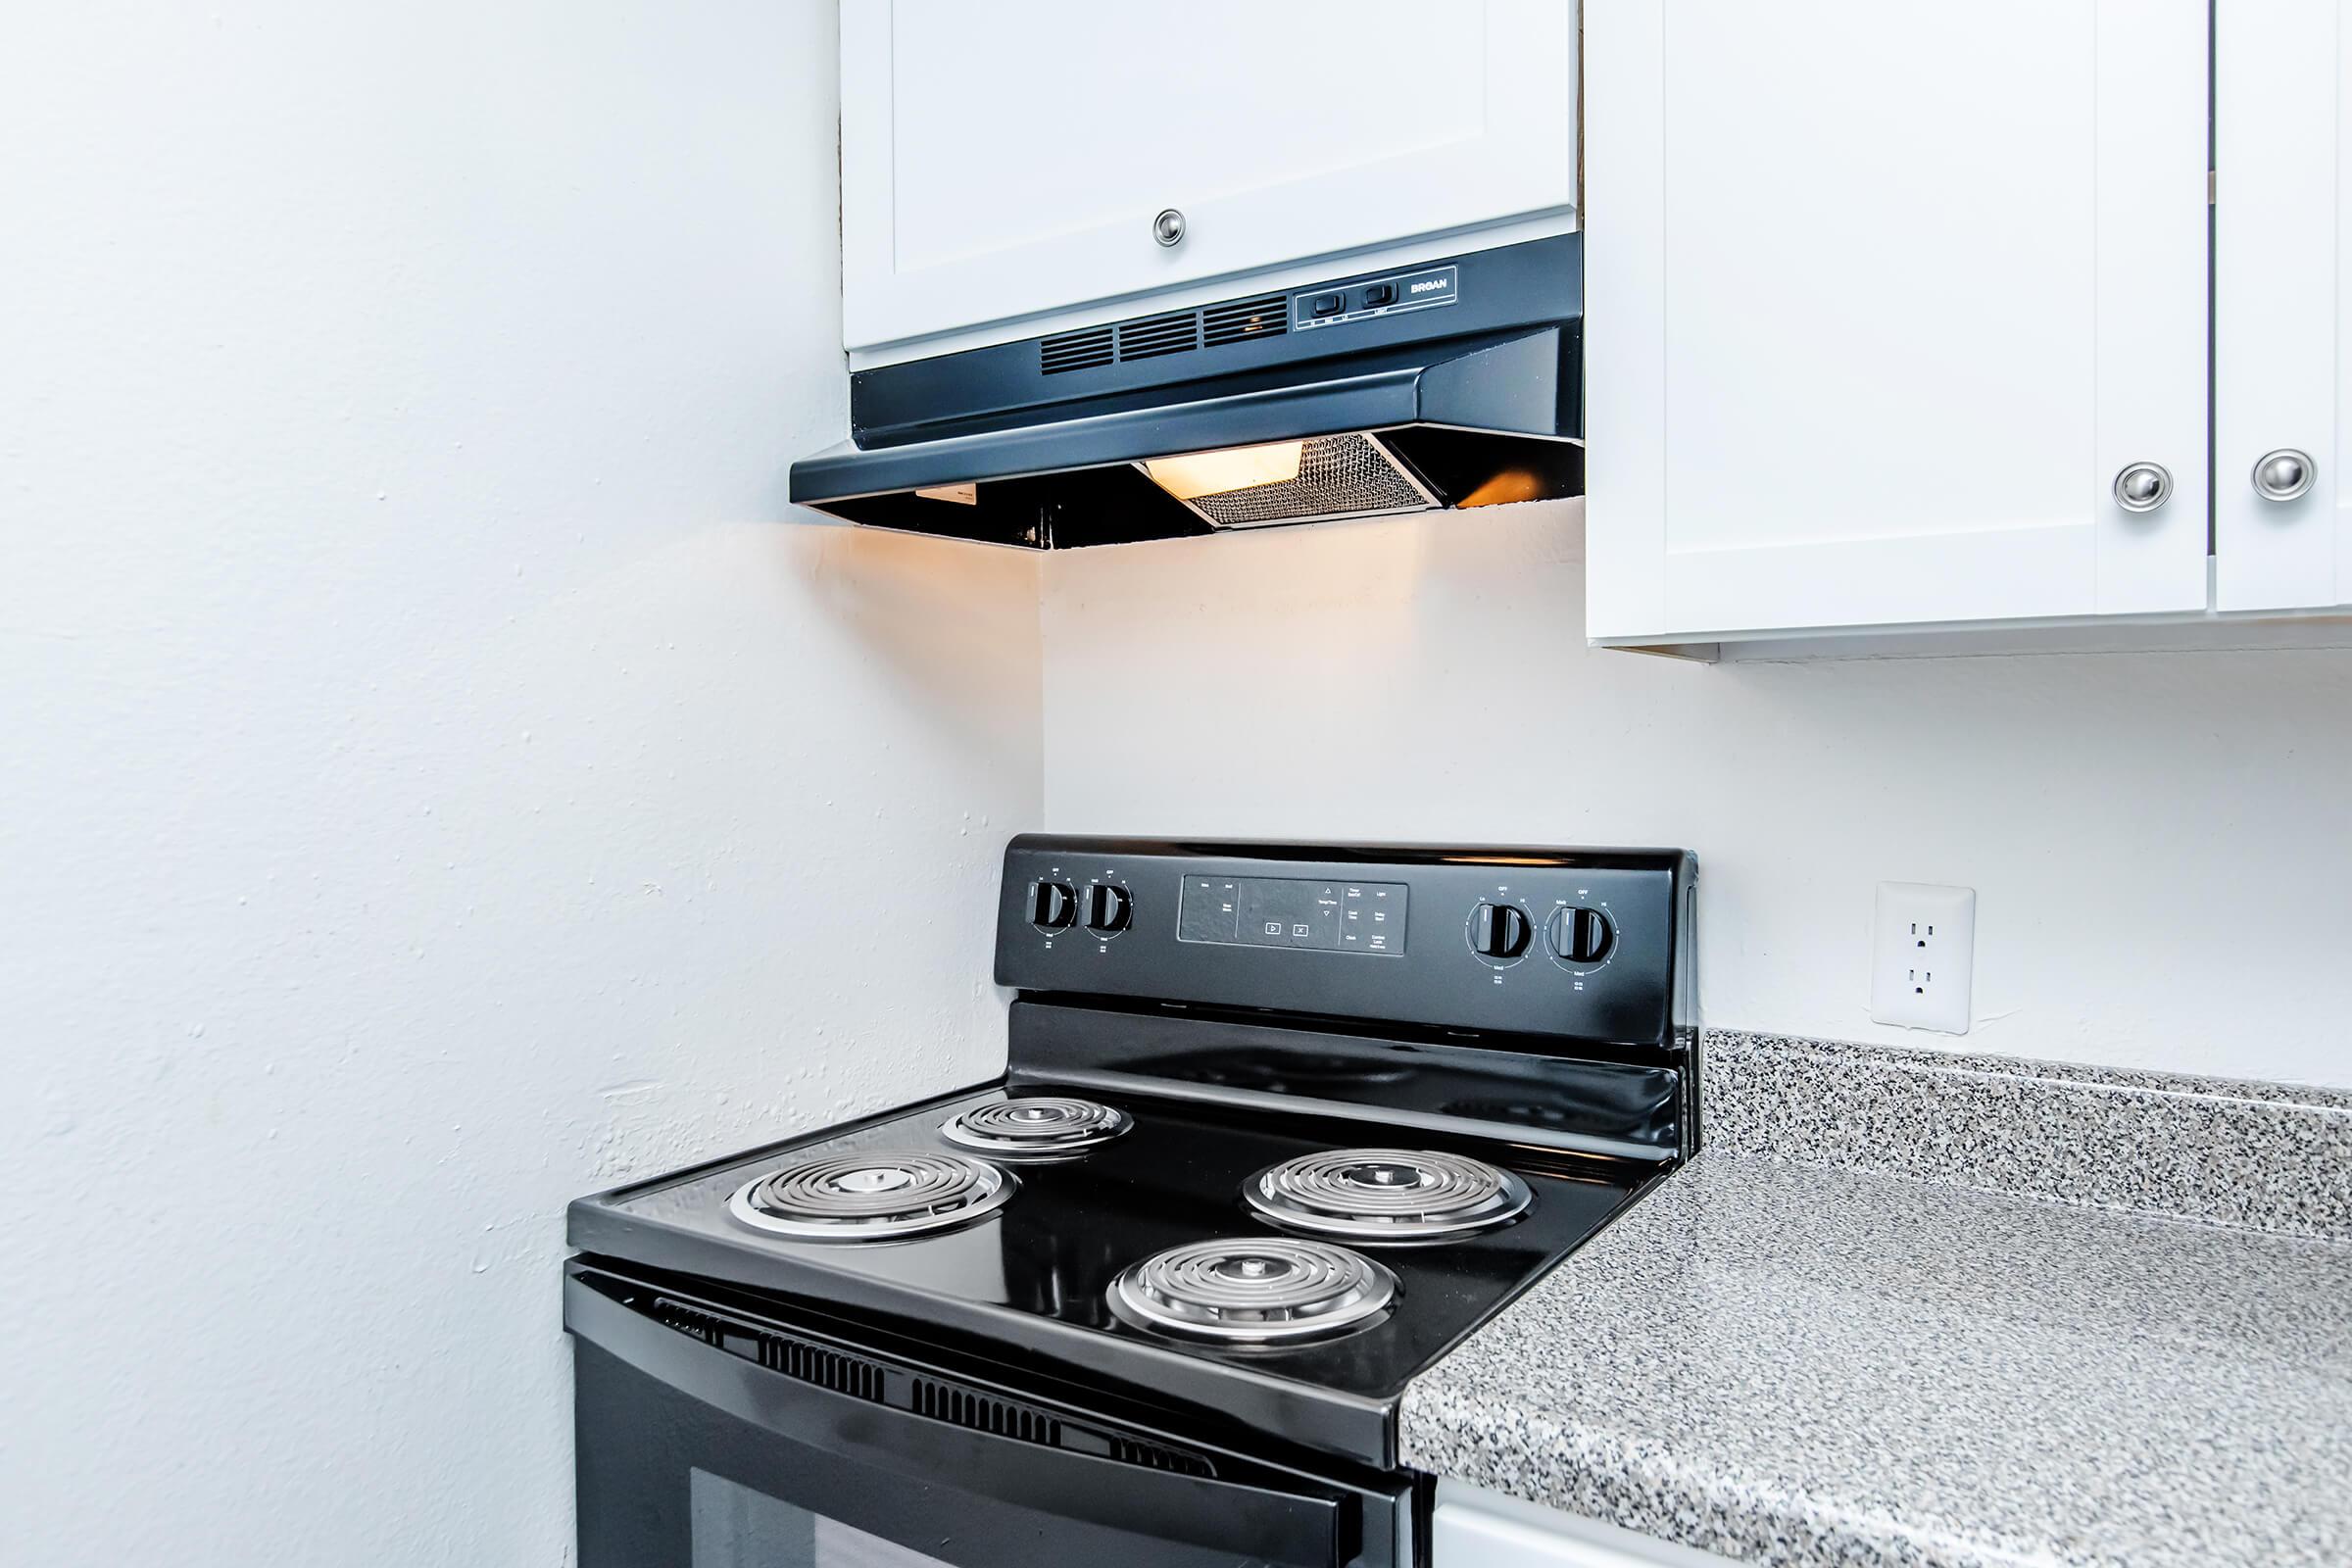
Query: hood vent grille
{"points": [[1177, 332], [1339, 477], [1265, 316], [1156, 335], [1074, 351]]}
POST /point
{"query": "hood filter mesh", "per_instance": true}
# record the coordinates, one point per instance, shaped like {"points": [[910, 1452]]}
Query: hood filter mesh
{"points": [[1339, 477]]}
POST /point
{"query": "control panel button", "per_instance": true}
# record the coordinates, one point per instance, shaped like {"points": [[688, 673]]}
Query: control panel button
{"points": [[1378, 294], [1053, 906], [1327, 304], [1372, 917], [1258, 911], [1498, 931], [1580, 935], [1107, 908], [1209, 910], [1289, 912]]}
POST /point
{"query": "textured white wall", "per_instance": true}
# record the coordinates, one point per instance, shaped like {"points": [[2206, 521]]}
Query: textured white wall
{"points": [[437, 782], [2161, 843]]}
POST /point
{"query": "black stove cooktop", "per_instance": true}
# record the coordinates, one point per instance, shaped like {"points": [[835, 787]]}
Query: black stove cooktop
{"points": [[1032, 1278], [1505, 1033]]}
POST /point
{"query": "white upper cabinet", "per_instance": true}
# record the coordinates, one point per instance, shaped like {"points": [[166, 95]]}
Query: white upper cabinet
{"points": [[1009, 159], [2282, 267], [1882, 300]]}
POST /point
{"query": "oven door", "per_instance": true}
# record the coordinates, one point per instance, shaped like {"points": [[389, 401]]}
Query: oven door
{"points": [[710, 1436]]}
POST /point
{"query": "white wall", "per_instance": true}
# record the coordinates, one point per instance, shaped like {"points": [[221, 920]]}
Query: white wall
{"points": [[438, 783], [2161, 843]]}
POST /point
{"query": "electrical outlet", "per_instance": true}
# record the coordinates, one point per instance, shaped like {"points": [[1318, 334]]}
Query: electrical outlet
{"points": [[1924, 955]]}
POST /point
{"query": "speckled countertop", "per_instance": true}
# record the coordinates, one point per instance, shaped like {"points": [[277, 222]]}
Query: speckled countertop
{"points": [[1788, 1364]]}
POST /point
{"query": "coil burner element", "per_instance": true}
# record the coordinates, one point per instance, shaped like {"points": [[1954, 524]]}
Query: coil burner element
{"points": [[872, 1194], [1387, 1195], [1039, 1125], [1269, 1290]]}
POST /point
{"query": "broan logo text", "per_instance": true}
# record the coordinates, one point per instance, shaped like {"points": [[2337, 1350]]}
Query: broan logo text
{"points": [[1426, 284]]}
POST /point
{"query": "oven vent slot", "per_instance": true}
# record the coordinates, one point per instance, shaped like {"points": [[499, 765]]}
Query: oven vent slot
{"points": [[879, 1383], [686, 1320], [1074, 351], [1008, 1419], [796, 1358], [1237, 319], [1156, 1456], [944, 1402], [1156, 335], [827, 1369]]}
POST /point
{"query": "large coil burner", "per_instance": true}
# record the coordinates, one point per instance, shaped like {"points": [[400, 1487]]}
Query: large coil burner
{"points": [[1264, 1290], [1387, 1195], [1035, 1125], [872, 1196]]}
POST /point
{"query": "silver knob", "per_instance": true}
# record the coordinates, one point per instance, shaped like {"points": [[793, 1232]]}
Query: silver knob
{"points": [[2143, 487], [1168, 226], [2283, 474]]}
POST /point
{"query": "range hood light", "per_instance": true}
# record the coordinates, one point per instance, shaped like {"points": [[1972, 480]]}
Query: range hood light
{"points": [[1214, 473], [1509, 485]]}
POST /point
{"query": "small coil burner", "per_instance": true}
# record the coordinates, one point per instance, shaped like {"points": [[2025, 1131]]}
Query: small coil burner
{"points": [[1040, 1125], [1261, 1290], [1387, 1195], [872, 1196]]}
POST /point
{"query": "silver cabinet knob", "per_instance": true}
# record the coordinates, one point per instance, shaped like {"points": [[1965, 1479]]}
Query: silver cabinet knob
{"points": [[1168, 226], [2143, 487], [2283, 474]]}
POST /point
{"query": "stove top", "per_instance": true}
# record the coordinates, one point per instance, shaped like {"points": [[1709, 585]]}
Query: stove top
{"points": [[1030, 1260], [1271, 1220]]}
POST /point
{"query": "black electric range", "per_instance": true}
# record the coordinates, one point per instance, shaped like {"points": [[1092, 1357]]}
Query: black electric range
{"points": [[1281, 1124]]}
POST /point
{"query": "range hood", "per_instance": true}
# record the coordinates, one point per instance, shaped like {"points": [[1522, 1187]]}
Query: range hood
{"points": [[1447, 383]]}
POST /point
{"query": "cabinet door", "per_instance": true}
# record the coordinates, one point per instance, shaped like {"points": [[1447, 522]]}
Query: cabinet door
{"points": [[1007, 159], [1880, 300], [2281, 261], [1465, 1533]]}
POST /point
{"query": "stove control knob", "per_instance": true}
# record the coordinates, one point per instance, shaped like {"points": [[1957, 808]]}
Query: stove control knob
{"points": [[1498, 931], [1580, 935], [1053, 906], [1107, 908]]}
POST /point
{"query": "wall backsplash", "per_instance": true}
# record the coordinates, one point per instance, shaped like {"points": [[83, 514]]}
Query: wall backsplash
{"points": [[2222, 1151], [2160, 842]]}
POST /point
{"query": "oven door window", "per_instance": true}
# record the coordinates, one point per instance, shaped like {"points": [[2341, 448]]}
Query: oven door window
{"points": [[735, 1527]]}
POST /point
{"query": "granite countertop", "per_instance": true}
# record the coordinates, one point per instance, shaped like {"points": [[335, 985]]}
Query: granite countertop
{"points": [[1790, 1364]]}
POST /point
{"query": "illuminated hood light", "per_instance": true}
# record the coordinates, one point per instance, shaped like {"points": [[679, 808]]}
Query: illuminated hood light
{"points": [[1214, 473]]}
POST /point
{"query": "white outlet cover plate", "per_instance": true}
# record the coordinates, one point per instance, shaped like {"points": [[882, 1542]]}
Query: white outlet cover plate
{"points": [[1923, 957]]}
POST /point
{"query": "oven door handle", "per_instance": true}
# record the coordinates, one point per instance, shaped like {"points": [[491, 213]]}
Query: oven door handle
{"points": [[1255, 1523]]}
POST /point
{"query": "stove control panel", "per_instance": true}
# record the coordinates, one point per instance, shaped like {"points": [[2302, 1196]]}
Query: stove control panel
{"points": [[1593, 943], [1328, 915]]}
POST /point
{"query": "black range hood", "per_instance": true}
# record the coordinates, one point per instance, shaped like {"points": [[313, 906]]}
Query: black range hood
{"points": [[1448, 383]]}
